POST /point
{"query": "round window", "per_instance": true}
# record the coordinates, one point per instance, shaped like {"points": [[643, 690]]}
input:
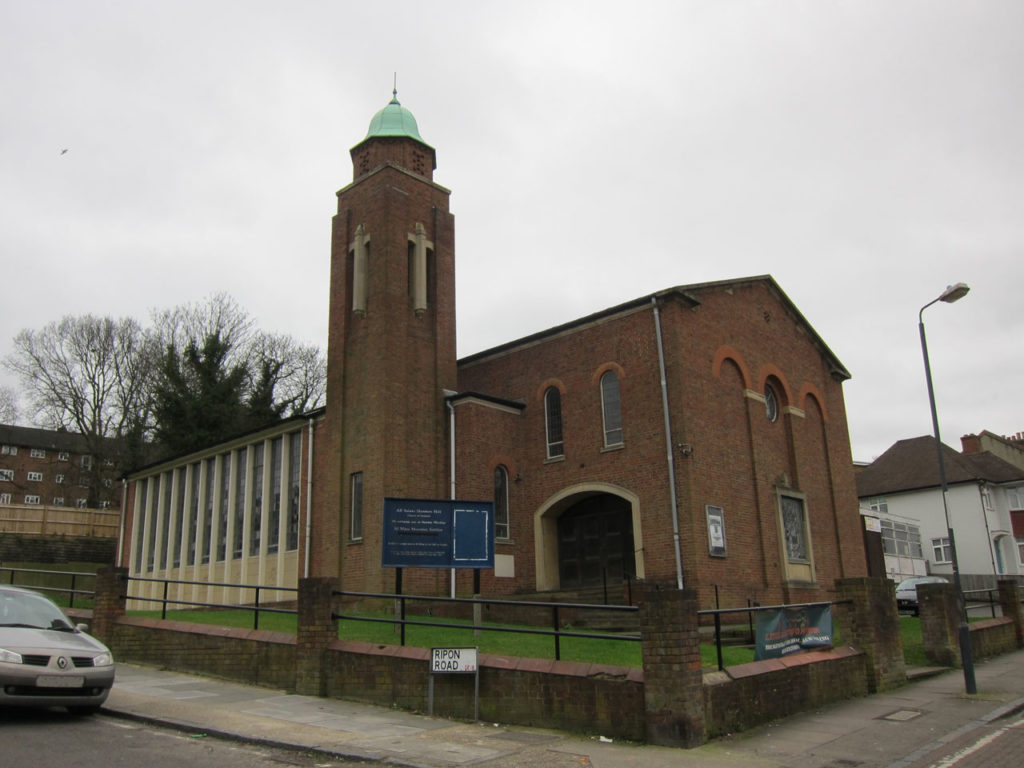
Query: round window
{"points": [[771, 403]]}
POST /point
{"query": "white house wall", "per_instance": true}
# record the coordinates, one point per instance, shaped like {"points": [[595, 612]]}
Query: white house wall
{"points": [[967, 518]]}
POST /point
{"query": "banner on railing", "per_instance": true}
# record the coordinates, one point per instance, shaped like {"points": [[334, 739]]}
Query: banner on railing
{"points": [[793, 629]]}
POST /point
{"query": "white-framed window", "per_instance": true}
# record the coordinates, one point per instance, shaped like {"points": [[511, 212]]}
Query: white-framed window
{"points": [[356, 507], [501, 527], [553, 422], [611, 408], [1015, 497], [35, 477], [87, 462], [37, 453], [31, 499], [80, 503], [942, 551], [1020, 551], [59, 479], [901, 539], [5, 498], [63, 456], [104, 505], [108, 483], [8, 450], [58, 501], [7, 474], [986, 498], [879, 505]]}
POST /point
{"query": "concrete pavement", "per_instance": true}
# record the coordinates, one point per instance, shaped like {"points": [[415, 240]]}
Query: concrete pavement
{"points": [[905, 728]]}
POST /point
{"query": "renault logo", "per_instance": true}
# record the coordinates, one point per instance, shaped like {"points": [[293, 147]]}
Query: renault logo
{"points": [[62, 662]]}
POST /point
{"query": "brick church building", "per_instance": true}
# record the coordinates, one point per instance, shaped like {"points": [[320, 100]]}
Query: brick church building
{"points": [[694, 437]]}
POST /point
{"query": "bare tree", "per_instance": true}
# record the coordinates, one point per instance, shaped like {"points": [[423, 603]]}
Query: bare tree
{"points": [[88, 375], [284, 376], [8, 406], [100, 377], [192, 324], [297, 373]]}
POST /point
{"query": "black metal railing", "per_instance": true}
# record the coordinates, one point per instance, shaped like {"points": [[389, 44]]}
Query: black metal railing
{"points": [[556, 631], [71, 590], [253, 606], [989, 597]]}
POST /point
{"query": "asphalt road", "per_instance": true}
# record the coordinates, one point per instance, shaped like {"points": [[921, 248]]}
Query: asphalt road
{"points": [[54, 739], [998, 744]]}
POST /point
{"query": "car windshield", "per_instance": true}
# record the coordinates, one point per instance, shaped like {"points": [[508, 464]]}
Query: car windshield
{"points": [[912, 583], [23, 609]]}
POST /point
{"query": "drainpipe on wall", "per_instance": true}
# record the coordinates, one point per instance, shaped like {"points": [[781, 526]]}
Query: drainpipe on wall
{"points": [[309, 499], [451, 459], [668, 444]]}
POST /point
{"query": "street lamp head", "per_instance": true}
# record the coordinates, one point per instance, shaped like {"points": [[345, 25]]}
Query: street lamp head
{"points": [[954, 293]]}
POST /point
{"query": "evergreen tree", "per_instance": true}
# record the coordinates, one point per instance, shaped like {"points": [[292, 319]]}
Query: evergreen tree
{"points": [[199, 398]]}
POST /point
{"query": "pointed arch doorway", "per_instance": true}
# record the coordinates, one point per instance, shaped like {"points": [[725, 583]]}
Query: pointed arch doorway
{"points": [[588, 534]]}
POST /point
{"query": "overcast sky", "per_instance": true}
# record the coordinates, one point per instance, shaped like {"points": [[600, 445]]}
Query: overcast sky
{"points": [[865, 154]]}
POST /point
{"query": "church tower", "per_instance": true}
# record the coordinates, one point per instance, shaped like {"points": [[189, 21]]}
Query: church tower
{"points": [[391, 346]]}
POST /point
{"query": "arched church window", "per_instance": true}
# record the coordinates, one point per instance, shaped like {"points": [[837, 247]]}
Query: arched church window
{"points": [[771, 403], [611, 408], [553, 422], [501, 526]]}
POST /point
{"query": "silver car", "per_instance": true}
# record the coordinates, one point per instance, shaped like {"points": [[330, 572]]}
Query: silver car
{"points": [[906, 593], [47, 661]]}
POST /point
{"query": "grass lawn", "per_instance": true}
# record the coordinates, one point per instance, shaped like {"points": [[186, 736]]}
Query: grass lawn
{"points": [[913, 645], [615, 652]]}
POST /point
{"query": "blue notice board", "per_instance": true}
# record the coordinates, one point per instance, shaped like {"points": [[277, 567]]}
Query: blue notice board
{"points": [[423, 533]]}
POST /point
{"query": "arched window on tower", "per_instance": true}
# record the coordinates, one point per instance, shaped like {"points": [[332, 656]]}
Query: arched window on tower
{"points": [[553, 422], [501, 525], [611, 409]]}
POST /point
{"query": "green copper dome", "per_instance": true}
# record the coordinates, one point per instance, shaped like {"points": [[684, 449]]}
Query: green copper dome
{"points": [[394, 120]]}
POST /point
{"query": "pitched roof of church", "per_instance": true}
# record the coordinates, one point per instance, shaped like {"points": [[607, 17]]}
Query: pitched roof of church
{"points": [[912, 464], [688, 293]]}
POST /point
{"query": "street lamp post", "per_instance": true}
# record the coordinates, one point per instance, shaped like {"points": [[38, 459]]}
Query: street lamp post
{"points": [[951, 294]]}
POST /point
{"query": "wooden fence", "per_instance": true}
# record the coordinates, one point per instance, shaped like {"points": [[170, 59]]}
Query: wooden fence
{"points": [[59, 521]]}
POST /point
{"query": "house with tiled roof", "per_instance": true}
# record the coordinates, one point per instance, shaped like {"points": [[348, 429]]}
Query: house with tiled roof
{"points": [[984, 500]]}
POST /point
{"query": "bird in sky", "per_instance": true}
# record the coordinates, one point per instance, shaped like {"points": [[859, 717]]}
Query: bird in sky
{"points": [[63, 151]]}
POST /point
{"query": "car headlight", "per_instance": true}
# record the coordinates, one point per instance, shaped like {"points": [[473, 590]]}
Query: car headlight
{"points": [[10, 656], [102, 660]]}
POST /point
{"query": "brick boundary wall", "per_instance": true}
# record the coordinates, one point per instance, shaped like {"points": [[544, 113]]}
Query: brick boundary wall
{"points": [[869, 621], [671, 701], [673, 679], [748, 695], [572, 696], [940, 624], [251, 656], [1009, 601]]}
